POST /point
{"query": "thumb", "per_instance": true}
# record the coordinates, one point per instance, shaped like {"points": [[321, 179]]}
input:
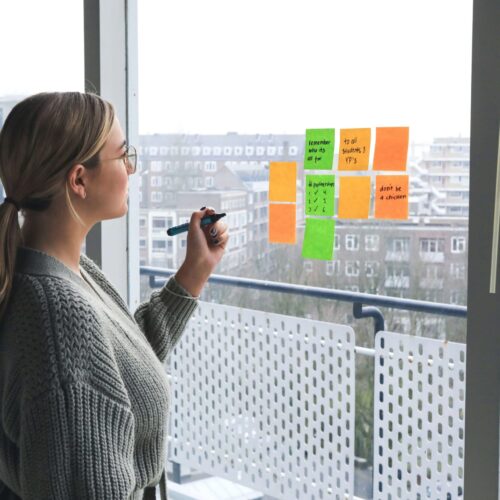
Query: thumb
{"points": [[195, 221]]}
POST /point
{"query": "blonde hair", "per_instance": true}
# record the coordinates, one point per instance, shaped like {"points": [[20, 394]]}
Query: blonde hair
{"points": [[42, 138]]}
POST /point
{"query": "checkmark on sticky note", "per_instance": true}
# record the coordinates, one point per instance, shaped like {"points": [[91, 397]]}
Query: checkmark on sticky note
{"points": [[318, 239], [354, 197], [320, 194]]}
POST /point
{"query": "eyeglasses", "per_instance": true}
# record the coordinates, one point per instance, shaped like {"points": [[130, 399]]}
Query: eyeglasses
{"points": [[129, 159]]}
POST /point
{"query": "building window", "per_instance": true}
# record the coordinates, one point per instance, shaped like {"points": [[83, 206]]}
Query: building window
{"points": [[432, 245], [210, 166], [159, 245], [271, 150], [142, 222], [371, 268], [156, 166], [156, 196], [399, 245], [352, 268], [457, 271], [238, 151], [156, 181], [163, 151], [217, 151], [209, 182], [308, 267], [153, 151], [352, 242], [457, 297], [336, 242], [228, 150], [259, 151], [142, 243], [372, 242], [162, 222], [458, 244], [249, 150], [184, 151], [293, 150]]}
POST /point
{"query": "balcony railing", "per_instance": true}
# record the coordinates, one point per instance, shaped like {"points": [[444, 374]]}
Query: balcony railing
{"points": [[267, 400]]}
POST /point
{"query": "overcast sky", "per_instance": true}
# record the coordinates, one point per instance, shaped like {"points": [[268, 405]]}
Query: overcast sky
{"points": [[265, 66]]}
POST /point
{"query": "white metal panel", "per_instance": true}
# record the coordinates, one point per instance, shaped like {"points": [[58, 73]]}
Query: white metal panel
{"points": [[418, 418], [267, 401]]}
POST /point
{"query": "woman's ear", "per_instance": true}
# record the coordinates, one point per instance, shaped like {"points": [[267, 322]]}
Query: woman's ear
{"points": [[77, 180]]}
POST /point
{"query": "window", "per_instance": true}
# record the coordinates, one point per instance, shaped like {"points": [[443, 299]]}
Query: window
{"points": [[161, 223], [457, 270], [142, 222], [153, 151], [163, 151], [156, 181], [156, 196], [142, 243], [184, 151], [352, 268], [259, 151], [336, 242], [308, 266], [159, 245], [372, 242], [210, 166], [458, 244], [217, 151], [155, 166], [371, 268], [432, 245], [399, 245], [227, 151], [292, 150], [352, 242], [209, 181]]}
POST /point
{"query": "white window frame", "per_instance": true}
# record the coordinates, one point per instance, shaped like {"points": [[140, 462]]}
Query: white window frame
{"points": [[352, 242], [458, 244]]}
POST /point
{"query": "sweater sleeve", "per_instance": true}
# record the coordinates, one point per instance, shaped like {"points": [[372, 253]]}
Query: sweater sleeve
{"points": [[76, 442], [164, 317]]}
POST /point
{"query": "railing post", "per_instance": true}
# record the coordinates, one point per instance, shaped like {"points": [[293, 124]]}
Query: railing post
{"points": [[359, 311]]}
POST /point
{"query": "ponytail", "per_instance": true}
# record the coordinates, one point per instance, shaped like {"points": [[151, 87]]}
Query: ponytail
{"points": [[10, 238]]}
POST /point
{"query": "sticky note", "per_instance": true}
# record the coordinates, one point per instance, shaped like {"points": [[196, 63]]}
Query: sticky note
{"points": [[391, 197], [282, 223], [318, 239], [320, 193], [354, 197], [354, 148], [282, 181], [391, 148], [318, 152]]}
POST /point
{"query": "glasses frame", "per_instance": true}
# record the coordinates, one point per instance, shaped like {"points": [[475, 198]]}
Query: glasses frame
{"points": [[130, 165]]}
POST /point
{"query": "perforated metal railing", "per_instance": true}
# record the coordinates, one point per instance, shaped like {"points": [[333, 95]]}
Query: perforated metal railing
{"points": [[268, 401]]}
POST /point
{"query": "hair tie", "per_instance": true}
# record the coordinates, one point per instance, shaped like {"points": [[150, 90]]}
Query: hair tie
{"points": [[14, 202]]}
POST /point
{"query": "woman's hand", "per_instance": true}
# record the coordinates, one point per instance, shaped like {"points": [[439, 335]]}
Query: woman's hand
{"points": [[205, 247]]}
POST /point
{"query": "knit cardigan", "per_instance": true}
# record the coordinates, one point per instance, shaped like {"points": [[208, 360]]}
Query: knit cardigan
{"points": [[84, 397]]}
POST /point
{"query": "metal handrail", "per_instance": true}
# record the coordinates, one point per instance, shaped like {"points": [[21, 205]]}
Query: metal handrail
{"points": [[358, 299]]}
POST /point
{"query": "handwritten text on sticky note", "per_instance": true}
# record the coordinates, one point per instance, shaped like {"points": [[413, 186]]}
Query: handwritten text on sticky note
{"points": [[282, 181], [391, 197], [320, 193], [318, 152], [391, 148], [354, 148], [318, 239]]}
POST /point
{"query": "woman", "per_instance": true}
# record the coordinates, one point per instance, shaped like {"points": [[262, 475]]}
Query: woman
{"points": [[84, 397]]}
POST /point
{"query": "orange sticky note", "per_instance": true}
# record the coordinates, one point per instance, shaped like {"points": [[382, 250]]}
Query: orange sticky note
{"points": [[354, 148], [282, 223], [391, 197], [354, 197], [391, 148], [282, 181]]}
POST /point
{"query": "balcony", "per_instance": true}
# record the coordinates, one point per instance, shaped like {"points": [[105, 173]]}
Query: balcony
{"points": [[268, 401], [432, 257]]}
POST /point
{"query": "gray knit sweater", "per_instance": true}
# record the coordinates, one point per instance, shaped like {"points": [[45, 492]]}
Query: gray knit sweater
{"points": [[84, 397]]}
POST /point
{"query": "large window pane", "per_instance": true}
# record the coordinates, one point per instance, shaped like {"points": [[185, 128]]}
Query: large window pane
{"points": [[226, 88]]}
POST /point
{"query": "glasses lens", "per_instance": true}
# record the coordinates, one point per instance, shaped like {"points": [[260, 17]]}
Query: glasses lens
{"points": [[132, 158]]}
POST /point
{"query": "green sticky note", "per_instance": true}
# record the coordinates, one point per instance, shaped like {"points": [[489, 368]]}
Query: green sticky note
{"points": [[318, 239], [318, 152], [320, 193]]}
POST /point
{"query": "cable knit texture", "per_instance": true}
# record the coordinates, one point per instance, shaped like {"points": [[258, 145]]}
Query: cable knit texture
{"points": [[84, 397]]}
